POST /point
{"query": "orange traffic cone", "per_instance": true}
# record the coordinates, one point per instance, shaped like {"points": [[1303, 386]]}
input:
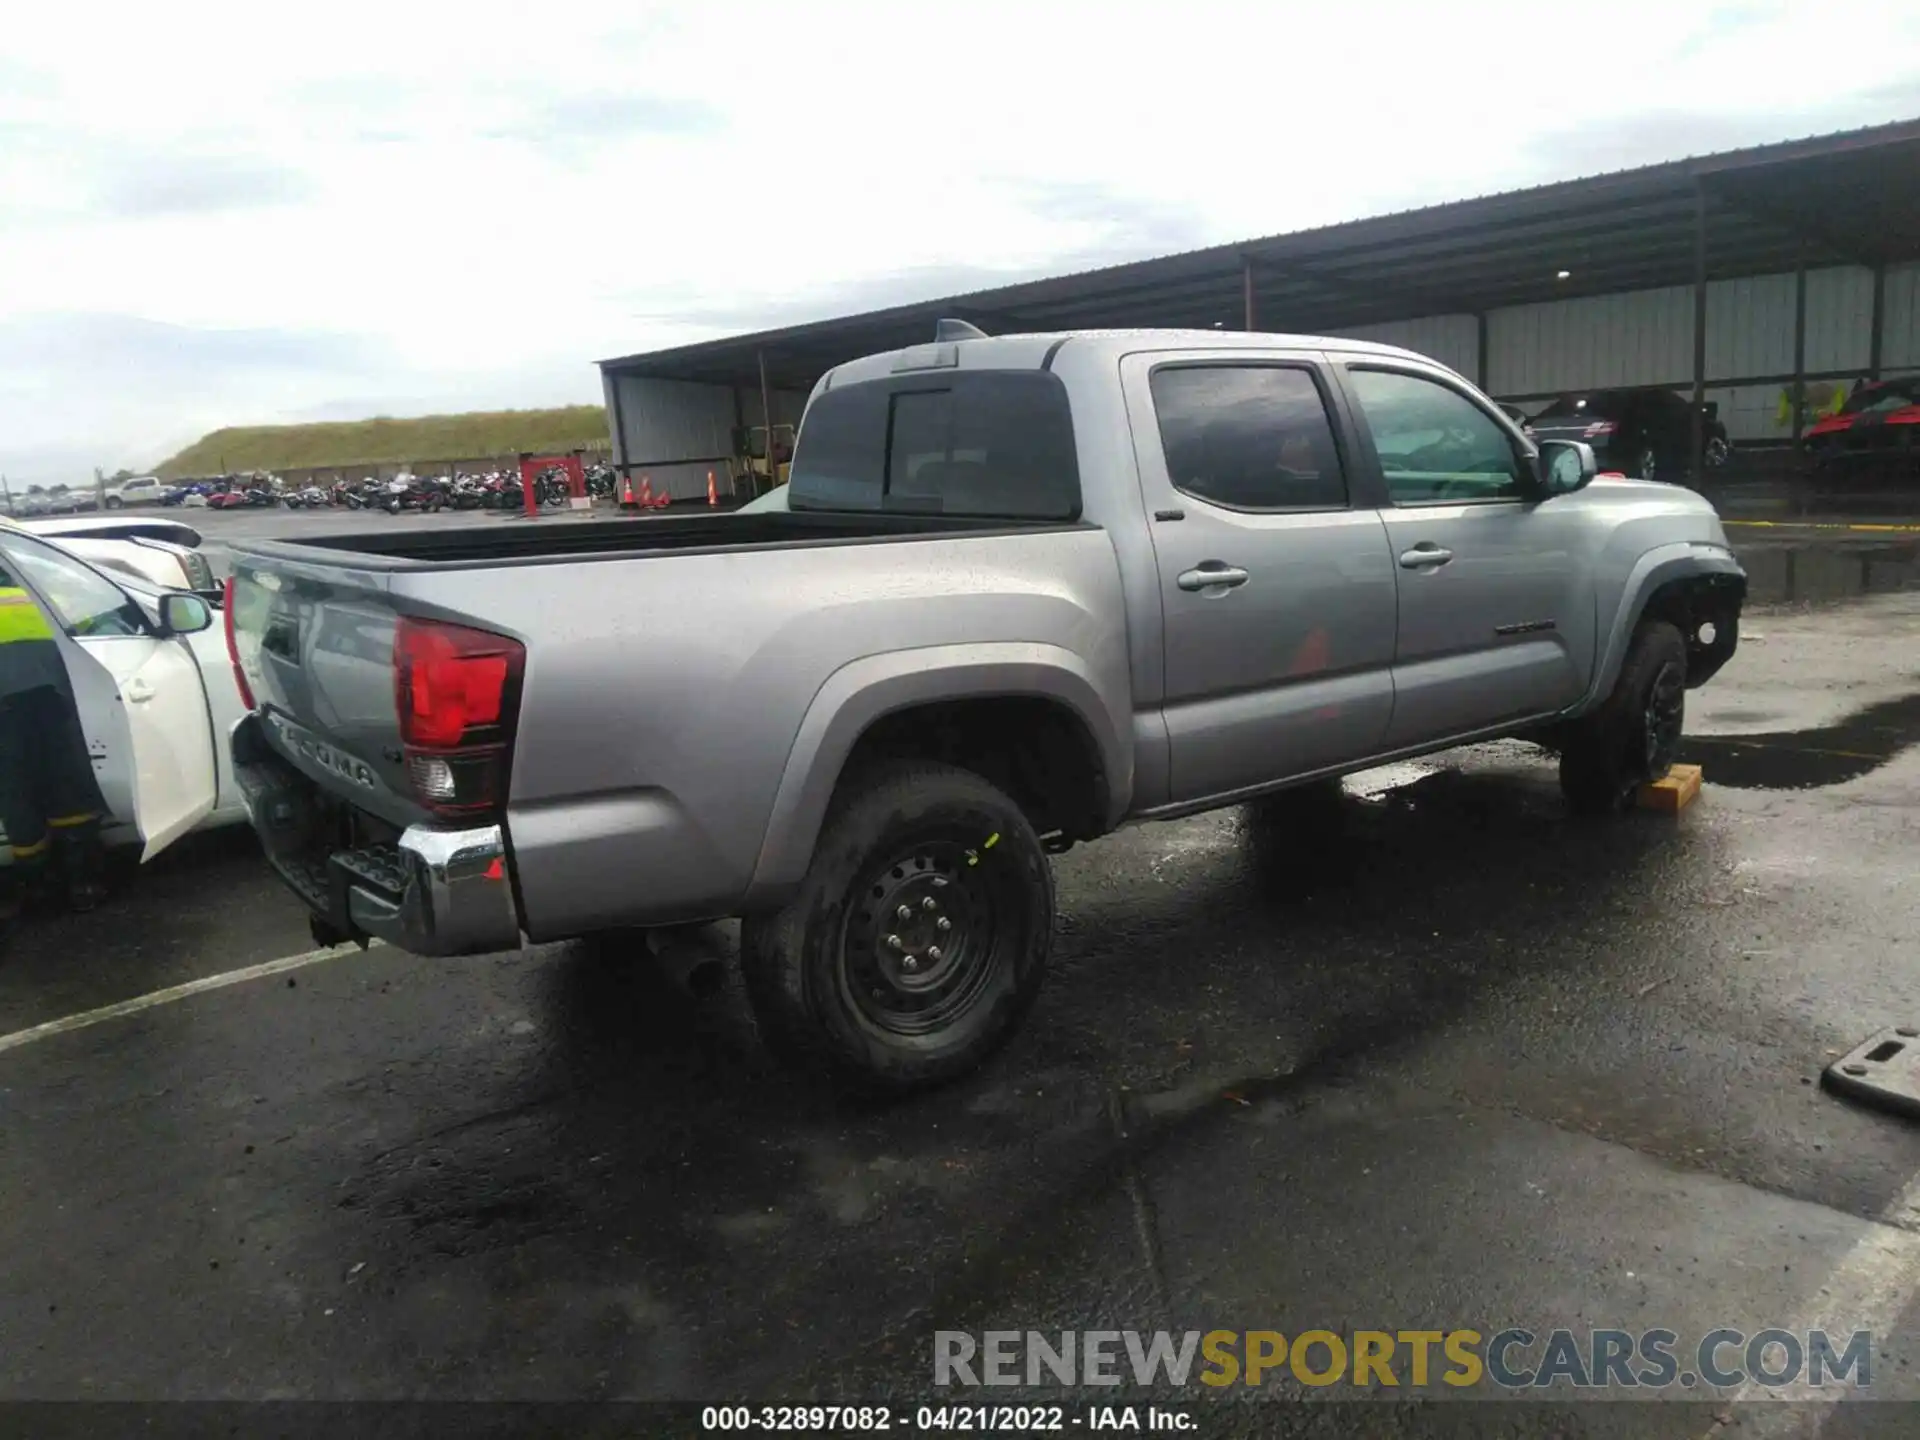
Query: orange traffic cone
{"points": [[713, 497], [626, 494], [646, 491]]}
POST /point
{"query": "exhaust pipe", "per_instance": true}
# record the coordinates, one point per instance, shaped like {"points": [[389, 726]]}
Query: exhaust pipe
{"points": [[690, 959]]}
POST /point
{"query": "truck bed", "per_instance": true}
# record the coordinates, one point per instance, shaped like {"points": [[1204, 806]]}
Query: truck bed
{"points": [[520, 543], [661, 704]]}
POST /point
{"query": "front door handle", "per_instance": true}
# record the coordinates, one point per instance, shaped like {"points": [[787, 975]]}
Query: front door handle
{"points": [[139, 692], [1424, 556], [1212, 575]]}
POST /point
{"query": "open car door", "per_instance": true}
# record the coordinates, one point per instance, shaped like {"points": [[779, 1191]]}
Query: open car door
{"points": [[142, 703]]}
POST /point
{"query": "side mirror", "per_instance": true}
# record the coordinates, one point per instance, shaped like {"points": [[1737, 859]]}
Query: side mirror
{"points": [[182, 614], [1564, 466]]}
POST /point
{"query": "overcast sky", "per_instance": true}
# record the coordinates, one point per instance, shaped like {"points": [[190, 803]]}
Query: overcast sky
{"points": [[215, 214]]}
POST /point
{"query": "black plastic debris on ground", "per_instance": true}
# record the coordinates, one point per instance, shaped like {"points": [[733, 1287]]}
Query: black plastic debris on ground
{"points": [[1883, 1071]]}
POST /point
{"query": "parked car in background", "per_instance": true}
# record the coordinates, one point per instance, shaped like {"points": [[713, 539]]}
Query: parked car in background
{"points": [[154, 686], [1646, 434], [1517, 415], [141, 490], [1873, 440], [1017, 592], [155, 551]]}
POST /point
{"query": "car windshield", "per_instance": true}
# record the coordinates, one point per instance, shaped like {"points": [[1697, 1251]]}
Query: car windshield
{"points": [[1872, 398]]}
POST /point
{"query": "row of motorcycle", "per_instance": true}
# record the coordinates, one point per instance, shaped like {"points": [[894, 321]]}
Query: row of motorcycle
{"points": [[494, 490]]}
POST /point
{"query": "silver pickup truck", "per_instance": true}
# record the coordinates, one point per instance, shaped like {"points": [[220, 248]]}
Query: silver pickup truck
{"points": [[1023, 590]]}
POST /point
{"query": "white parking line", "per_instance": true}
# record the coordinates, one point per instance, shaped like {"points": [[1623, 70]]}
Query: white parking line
{"points": [[122, 1008], [1870, 1288]]}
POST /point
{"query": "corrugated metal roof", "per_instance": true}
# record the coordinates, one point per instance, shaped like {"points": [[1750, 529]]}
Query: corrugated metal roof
{"points": [[1849, 197]]}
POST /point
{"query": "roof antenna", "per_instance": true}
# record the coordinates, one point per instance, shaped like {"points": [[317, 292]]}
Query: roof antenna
{"points": [[947, 331]]}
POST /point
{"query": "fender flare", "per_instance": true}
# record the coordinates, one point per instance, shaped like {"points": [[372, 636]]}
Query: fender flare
{"points": [[1660, 566], [862, 691]]}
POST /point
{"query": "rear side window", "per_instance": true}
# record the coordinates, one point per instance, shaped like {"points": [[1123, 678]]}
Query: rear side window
{"points": [[986, 443], [1249, 437]]}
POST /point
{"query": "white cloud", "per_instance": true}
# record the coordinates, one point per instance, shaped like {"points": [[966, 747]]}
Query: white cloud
{"points": [[449, 204]]}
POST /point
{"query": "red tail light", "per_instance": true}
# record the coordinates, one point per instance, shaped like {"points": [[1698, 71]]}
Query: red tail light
{"points": [[233, 649], [455, 691], [1601, 427]]}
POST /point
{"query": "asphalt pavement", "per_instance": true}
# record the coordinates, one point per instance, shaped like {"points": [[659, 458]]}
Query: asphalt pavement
{"points": [[1469, 1063]]}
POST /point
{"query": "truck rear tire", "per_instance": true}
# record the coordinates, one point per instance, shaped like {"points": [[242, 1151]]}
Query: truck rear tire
{"points": [[918, 939], [1634, 736]]}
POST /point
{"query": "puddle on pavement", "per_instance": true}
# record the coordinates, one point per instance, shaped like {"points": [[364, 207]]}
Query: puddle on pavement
{"points": [[1789, 574], [1807, 759]]}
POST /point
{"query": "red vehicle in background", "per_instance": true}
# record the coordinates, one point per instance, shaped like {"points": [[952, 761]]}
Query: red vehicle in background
{"points": [[1872, 442]]}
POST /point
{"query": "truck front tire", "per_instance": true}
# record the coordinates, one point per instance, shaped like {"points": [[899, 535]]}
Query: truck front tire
{"points": [[918, 939], [1634, 736]]}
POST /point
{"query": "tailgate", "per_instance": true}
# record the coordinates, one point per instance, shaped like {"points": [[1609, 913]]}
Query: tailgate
{"points": [[315, 643]]}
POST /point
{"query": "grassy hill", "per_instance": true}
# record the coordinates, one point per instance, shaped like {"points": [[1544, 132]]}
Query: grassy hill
{"points": [[386, 440]]}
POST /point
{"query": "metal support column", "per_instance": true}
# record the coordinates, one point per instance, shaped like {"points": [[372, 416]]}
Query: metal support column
{"points": [[619, 418], [1799, 350], [1246, 294], [766, 411], [1876, 336], [1480, 349], [1698, 444]]}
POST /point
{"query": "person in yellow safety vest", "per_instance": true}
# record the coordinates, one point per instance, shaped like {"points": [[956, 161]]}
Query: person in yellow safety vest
{"points": [[49, 803]]}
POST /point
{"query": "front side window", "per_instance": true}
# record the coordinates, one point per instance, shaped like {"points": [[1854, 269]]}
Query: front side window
{"points": [[84, 601], [1435, 445], [1248, 437]]}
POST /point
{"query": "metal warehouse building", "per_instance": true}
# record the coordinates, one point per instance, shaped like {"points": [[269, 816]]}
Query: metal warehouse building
{"points": [[1752, 278]]}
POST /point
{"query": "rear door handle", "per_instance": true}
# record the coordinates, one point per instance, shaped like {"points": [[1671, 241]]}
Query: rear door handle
{"points": [[1212, 575], [1426, 555]]}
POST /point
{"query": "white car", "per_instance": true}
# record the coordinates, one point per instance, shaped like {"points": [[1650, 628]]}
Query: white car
{"points": [[155, 690], [142, 490], [164, 552]]}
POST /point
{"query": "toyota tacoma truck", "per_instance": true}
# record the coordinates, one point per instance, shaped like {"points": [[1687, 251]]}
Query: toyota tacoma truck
{"points": [[1022, 590]]}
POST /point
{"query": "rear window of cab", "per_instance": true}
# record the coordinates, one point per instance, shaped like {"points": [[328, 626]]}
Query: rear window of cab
{"points": [[979, 443]]}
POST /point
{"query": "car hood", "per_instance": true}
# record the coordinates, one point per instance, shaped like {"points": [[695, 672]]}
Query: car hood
{"points": [[1625, 489], [1662, 512]]}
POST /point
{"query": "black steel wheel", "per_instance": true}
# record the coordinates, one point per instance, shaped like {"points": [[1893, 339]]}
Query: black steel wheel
{"points": [[922, 938], [1634, 734], [919, 937], [1664, 716]]}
